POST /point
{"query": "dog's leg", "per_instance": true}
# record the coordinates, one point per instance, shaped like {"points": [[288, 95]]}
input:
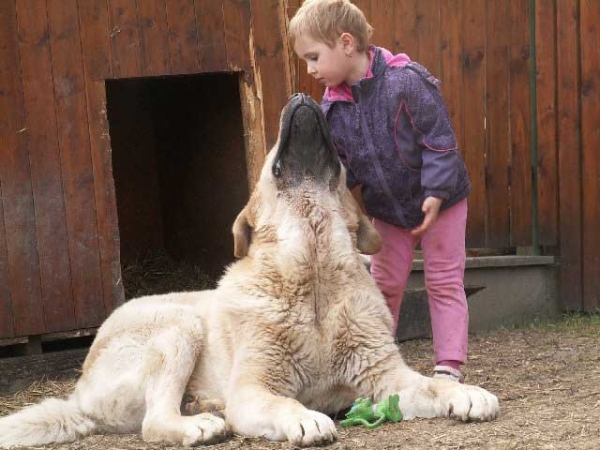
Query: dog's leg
{"points": [[422, 396], [176, 353], [254, 411]]}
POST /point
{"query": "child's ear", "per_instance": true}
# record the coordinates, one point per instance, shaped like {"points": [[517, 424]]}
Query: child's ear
{"points": [[348, 43]]}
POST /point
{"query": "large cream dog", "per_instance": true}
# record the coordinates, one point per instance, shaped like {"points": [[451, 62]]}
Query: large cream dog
{"points": [[295, 330]]}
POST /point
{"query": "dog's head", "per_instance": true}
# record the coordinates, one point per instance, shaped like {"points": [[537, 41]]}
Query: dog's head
{"points": [[302, 180]]}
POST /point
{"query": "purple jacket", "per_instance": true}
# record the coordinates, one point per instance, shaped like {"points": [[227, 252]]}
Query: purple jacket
{"points": [[393, 134]]}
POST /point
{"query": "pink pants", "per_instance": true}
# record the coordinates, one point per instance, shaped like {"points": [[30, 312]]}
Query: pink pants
{"points": [[444, 256]]}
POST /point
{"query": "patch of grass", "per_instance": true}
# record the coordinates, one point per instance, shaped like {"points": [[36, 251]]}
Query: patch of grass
{"points": [[585, 324]]}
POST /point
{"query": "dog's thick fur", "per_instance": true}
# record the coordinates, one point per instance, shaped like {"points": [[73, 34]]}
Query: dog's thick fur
{"points": [[295, 330]]}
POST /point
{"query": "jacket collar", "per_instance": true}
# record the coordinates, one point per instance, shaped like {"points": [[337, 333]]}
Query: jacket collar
{"points": [[380, 59]]}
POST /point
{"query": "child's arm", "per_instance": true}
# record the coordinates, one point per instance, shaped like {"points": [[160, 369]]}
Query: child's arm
{"points": [[441, 160]]}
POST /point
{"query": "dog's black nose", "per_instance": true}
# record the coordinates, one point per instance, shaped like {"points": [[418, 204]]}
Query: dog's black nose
{"points": [[301, 98]]}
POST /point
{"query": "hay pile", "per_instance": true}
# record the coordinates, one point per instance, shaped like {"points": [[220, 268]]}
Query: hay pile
{"points": [[154, 272], [35, 393]]}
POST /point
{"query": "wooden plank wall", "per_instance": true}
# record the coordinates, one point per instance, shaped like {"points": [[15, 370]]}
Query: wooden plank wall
{"points": [[568, 136], [59, 237], [589, 36], [17, 192]]}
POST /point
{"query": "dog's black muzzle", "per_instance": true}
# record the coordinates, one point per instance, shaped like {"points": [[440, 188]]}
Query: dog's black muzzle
{"points": [[305, 150]]}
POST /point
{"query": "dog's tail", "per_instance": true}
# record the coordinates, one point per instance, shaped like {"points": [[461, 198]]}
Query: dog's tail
{"points": [[51, 421]]}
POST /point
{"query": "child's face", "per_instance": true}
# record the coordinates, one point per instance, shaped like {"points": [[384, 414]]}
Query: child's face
{"points": [[329, 66]]}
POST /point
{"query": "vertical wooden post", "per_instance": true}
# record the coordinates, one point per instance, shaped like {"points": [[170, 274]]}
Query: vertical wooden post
{"points": [[569, 156]]}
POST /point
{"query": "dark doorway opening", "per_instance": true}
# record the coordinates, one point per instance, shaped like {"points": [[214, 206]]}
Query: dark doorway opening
{"points": [[180, 178]]}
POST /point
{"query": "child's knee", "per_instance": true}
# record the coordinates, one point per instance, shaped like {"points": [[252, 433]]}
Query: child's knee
{"points": [[390, 288]]}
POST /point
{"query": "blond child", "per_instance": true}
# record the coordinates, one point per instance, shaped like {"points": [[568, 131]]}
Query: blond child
{"points": [[393, 134]]}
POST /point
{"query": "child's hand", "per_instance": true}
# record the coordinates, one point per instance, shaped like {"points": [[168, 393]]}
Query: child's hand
{"points": [[431, 207]]}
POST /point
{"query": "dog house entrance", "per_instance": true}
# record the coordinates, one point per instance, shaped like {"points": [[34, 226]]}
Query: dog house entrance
{"points": [[180, 178]]}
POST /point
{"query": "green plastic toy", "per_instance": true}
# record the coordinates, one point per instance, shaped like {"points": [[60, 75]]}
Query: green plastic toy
{"points": [[365, 413]]}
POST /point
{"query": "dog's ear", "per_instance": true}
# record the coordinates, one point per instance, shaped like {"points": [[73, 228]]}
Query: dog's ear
{"points": [[368, 238], [242, 234]]}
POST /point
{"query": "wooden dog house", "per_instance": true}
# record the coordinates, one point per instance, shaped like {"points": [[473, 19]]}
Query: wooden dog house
{"points": [[126, 126], [178, 166]]}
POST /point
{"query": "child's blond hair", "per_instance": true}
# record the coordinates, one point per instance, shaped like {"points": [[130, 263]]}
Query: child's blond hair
{"points": [[326, 20]]}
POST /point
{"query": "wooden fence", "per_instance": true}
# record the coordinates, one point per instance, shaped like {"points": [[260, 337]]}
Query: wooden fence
{"points": [[521, 79]]}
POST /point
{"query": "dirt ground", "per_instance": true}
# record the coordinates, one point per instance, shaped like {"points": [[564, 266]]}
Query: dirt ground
{"points": [[547, 377]]}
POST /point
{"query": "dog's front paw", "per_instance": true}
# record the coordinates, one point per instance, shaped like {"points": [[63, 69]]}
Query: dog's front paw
{"points": [[309, 428], [465, 402], [204, 429], [186, 430]]}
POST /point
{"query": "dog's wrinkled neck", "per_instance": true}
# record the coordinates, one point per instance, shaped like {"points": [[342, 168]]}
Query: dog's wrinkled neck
{"points": [[309, 255]]}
